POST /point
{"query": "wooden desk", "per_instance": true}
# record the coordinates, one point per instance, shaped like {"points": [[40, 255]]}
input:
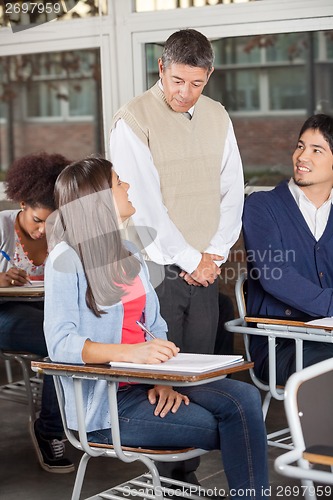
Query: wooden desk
{"points": [[20, 293], [112, 374], [289, 323]]}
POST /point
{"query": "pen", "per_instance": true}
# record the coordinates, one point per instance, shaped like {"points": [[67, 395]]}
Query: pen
{"points": [[145, 329], [6, 256]]}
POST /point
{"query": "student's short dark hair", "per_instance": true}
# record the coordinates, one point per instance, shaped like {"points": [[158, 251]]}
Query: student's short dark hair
{"points": [[31, 179], [189, 47], [323, 123]]}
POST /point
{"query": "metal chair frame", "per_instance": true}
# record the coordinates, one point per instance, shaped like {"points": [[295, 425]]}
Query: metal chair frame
{"points": [[280, 438], [149, 485], [311, 428], [27, 390]]}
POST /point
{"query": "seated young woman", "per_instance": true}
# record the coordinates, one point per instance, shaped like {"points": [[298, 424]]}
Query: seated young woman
{"points": [[96, 287]]}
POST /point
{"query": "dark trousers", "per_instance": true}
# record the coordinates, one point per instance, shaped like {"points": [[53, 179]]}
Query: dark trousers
{"points": [[191, 312], [224, 342], [192, 315], [21, 326]]}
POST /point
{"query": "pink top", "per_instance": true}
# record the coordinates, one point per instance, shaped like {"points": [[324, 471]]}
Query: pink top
{"points": [[133, 302]]}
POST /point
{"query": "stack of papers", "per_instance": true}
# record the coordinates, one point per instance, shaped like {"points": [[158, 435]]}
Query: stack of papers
{"points": [[186, 363], [35, 284], [324, 322]]}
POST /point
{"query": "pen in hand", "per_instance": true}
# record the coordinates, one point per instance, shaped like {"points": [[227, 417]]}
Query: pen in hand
{"points": [[7, 257], [145, 329]]}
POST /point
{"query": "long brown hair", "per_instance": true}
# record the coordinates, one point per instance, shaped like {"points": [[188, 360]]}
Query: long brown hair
{"points": [[87, 220]]}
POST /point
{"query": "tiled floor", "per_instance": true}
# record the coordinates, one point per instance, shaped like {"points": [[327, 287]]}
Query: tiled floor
{"points": [[21, 478]]}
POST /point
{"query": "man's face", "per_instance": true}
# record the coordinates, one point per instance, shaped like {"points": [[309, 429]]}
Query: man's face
{"points": [[182, 84], [313, 160]]}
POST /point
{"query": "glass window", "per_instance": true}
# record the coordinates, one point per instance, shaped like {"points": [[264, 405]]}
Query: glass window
{"points": [[289, 47], [241, 50], [150, 5], [238, 90], [50, 102], [55, 90], [287, 88]]}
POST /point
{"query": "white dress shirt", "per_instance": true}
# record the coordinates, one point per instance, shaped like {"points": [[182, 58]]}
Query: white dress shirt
{"points": [[316, 218], [134, 164]]}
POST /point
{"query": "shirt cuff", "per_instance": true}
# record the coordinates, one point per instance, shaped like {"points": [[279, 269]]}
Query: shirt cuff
{"points": [[221, 251], [188, 259]]}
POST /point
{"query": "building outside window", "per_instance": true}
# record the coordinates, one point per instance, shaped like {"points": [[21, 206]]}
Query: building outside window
{"points": [[51, 102]]}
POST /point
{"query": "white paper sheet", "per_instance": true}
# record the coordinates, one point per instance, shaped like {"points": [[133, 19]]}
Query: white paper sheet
{"points": [[186, 362]]}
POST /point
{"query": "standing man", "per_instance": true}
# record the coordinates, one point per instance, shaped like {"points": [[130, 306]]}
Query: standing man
{"points": [[178, 151], [288, 234]]}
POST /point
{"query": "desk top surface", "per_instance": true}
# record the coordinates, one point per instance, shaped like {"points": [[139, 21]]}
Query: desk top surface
{"points": [[286, 322], [22, 291], [107, 370]]}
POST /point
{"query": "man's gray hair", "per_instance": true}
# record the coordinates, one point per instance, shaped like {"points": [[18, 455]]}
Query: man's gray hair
{"points": [[189, 47]]}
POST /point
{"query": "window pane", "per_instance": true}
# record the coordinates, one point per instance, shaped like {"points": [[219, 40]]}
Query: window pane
{"points": [[287, 88], [238, 90], [239, 50], [43, 100], [50, 102], [286, 47], [82, 98]]}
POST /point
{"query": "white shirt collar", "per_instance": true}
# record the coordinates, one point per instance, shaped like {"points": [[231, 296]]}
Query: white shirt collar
{"points": [[316, 218], [299, 195]]}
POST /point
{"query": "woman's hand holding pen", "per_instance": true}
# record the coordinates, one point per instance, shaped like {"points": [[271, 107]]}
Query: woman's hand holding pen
{"points": [[14, 277], [154, 351]]}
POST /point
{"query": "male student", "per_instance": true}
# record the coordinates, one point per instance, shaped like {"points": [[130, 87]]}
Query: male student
{"points": [[288, 235]]}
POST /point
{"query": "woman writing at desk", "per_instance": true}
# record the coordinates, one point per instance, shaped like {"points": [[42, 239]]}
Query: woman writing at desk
{"points": [[96, 288], [30, 182]]}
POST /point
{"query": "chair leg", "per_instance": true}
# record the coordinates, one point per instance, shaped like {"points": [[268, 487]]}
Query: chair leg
{"points": [[154, 475], [26, 378], [9, 373], [265, 404], [80, 476]]}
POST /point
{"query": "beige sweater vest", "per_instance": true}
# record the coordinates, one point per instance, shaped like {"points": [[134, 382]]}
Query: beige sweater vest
{"points": [[187, 154]]}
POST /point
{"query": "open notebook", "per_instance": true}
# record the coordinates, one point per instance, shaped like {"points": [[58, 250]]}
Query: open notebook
{"points": [[185, 363]]}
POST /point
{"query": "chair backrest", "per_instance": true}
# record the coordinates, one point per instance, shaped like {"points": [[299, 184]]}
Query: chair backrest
{"points": [[241, 296], [309, 405]]}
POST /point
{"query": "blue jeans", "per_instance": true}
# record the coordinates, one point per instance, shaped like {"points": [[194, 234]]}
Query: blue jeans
{"points": [[21, 329], [224, 415]]}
